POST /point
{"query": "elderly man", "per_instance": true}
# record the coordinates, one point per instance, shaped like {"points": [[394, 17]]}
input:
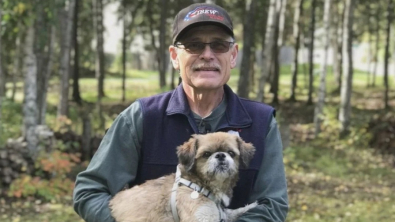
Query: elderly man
{"points": [[141, 143]]}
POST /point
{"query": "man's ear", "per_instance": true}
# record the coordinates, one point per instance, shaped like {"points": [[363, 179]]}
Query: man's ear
{"points": [[174, 57], [233, 56]]}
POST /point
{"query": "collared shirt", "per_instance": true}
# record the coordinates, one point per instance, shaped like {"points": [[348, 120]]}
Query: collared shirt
{"points": [[115, 164]]}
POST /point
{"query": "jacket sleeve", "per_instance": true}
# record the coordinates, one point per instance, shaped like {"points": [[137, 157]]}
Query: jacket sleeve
{"points": [[270, 189], [113, 167]]}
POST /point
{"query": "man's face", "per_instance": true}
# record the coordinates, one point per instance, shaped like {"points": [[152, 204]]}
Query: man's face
{"points": [[207, 70]]}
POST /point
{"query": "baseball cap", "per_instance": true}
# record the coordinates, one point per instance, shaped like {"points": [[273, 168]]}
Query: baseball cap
{"points": [[199, 14]]}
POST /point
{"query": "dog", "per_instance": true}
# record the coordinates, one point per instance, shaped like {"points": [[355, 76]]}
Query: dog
{"points": [[199, 191]]}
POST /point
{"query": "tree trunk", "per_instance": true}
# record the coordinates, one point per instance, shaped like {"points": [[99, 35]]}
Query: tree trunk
{"points": [[279, 35], [76, 86], [124, 55], [63, 106], [377, 46], [98, 19], [387, 51], [86, 136], [337, 45], [30, 92], [46, 76], [311, 53], [163, 62], [2, 76], [270, 42], [318, 114], [243, 88], [297, 25], [346, 89]]}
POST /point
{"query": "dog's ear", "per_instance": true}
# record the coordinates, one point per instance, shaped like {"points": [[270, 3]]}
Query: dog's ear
{"points": [[247, 151], [186, 152]]}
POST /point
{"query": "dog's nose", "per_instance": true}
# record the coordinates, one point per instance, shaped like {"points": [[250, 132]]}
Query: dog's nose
{"points": [[220, 156]]}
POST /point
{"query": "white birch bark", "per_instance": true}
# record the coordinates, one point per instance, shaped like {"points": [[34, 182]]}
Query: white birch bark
{"points": [[270, 41], [346, 87], [30, 104], [65, 62], [318, 114]]}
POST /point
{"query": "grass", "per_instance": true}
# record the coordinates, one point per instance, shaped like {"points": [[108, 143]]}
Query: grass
{"points": [[329, 179]]}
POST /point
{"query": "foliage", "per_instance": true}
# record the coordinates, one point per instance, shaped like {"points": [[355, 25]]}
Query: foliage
{"points": [[332, 179], [50, 181]]}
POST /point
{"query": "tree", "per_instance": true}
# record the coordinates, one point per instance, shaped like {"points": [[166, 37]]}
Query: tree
{"points": [[311, 52], [124, 48], [76, 76], [390, 12], [377, 45], [30, 101], [337, 39], [297, 25], [318, 113], [63, 106], [270, 42], [100, 66], [346, 88], [163, 62], [2, 76], [243, 88]]}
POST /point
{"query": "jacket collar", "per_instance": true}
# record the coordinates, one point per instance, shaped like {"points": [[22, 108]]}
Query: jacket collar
{"points": [[236, 114]]}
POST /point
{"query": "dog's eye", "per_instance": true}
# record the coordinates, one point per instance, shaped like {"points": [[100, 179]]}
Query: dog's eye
{"points": [[231, 153], [206, 154]]}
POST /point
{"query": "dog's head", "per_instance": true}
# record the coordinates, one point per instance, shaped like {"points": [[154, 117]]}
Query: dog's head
{"points": [[215, 155]]}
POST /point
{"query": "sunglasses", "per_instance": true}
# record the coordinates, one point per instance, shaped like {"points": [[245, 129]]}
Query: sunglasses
{"points": [[198, 47]]}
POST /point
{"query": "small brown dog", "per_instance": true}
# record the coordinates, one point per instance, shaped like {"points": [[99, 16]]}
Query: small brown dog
{"points": [[199, 191]]}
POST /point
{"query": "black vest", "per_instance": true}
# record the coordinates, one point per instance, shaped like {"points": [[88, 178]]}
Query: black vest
{"points": [[168, 123]]}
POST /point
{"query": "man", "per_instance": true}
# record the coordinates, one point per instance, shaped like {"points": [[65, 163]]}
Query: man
{"points": [[141, 143]]}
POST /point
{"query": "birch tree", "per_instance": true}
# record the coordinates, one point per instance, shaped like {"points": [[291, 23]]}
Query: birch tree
{"points": [[311, 52], [243, 87], [346, 88], [297, 26], [63, 105], [318, 112], [30, 93], [270, 41], [337, 40], [390, 12]]}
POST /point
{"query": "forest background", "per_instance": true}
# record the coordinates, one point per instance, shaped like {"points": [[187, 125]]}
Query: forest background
{"points": [[327, 66]]}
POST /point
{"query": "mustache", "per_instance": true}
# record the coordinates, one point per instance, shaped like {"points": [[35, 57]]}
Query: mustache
{"points": [[206, 66]]}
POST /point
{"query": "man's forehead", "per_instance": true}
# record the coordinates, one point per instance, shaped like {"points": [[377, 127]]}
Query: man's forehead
{"points": [[213, 31]]}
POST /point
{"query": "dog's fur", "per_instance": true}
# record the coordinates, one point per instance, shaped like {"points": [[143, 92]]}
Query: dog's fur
{"points": [[199, 162]]}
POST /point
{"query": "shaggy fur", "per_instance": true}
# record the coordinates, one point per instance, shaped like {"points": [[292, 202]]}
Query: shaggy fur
{"points": [[212, 161]]}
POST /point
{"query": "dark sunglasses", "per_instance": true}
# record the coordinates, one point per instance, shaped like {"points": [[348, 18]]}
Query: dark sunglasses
{"points": [[198, 47]]}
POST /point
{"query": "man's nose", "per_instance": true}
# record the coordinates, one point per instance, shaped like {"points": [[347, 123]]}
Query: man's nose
{"points": [[207, 53]]}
